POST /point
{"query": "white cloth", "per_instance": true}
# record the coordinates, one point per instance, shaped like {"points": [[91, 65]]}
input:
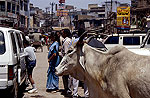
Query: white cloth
{"points": [[86, 91], [75, 85], [27, 38], [66, 79], [65, 47], [61, 40], [148, 21], [29, 52]]}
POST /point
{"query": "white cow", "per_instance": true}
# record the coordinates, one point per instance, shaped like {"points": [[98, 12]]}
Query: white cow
{"points": [[118, 73]]}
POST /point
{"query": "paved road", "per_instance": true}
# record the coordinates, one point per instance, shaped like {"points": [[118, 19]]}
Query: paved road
{"points": [[39, 75]]}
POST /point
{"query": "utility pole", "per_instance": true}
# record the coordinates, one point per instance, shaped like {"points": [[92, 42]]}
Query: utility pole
{"points": [[106, 24], [111, 7], [70, 20], [52, 12], [47, 19], [110, 16]]}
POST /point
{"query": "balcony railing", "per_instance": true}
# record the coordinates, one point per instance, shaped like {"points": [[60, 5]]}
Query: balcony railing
{"points": [[8, 14]]}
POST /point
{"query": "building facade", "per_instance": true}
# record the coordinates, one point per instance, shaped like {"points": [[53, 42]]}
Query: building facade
{"points": [[36, 15], [139, 12], [14, 13]]}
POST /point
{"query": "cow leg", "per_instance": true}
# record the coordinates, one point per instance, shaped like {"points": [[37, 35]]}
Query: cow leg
{"points": [[95, 91], [121, 87]]}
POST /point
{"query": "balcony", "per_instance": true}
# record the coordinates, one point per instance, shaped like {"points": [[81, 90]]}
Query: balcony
{"points": [[11, 15], [8, 14]]}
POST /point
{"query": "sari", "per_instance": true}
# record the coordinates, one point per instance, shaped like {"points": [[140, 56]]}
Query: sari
{"points": [[52, 78]]}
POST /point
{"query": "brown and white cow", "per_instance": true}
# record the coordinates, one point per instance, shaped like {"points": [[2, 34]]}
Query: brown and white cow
{"points": [[117, 73]]}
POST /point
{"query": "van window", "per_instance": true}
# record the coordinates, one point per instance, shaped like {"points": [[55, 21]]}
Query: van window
{"points": [[131, 41], [19, 41], [112, 40], [2, 43], [13, 42]]}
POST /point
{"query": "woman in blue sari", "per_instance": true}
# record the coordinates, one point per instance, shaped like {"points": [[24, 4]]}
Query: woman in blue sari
{"points": [[54, 60]]}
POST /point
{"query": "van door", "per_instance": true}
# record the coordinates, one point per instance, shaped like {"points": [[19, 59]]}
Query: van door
{"points": [[22, 64], [12, 69]]}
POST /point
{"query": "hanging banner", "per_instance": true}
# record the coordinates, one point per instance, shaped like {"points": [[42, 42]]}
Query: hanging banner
{"points": [[123, 18]]}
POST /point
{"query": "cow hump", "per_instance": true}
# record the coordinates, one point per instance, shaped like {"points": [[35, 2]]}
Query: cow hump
{"points": [[116, 49]]}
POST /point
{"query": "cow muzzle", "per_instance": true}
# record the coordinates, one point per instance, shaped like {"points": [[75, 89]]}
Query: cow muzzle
{"points": [[57, 72]]}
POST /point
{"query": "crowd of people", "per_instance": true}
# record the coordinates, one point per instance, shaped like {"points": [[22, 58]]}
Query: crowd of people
{"points": [[60, 41]]}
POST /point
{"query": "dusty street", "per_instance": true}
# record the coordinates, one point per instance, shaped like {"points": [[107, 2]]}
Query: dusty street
{"points": [[39, 75]]}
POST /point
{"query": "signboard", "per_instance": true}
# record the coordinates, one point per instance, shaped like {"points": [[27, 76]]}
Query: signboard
{"points": [[123, 18], [62, 13], [61, 1]]}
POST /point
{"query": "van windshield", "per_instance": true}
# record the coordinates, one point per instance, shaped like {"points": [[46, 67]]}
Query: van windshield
{"points": [[2, 43]]}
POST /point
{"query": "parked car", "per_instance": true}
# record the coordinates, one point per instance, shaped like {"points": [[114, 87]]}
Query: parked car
{"points": [[131, 41], [13, 71]]}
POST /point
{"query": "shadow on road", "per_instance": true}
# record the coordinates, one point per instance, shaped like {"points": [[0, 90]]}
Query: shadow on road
{"points": [[37, 96], [7, 94], [63, 92]]}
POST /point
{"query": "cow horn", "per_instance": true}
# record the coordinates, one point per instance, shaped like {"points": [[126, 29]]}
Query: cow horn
{"points": [[82, 36]]}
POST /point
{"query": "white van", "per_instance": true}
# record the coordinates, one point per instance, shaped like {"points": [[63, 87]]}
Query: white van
{"points": [[12, 67], [130, 41]]}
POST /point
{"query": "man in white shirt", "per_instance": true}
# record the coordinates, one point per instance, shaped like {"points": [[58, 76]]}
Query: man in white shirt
{"points": [[66, 78]]}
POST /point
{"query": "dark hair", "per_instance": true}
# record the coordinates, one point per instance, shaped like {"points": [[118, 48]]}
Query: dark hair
{"points": [[74, 34], [67, 31], [27, 43], [55, 36], [58, 31]]}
